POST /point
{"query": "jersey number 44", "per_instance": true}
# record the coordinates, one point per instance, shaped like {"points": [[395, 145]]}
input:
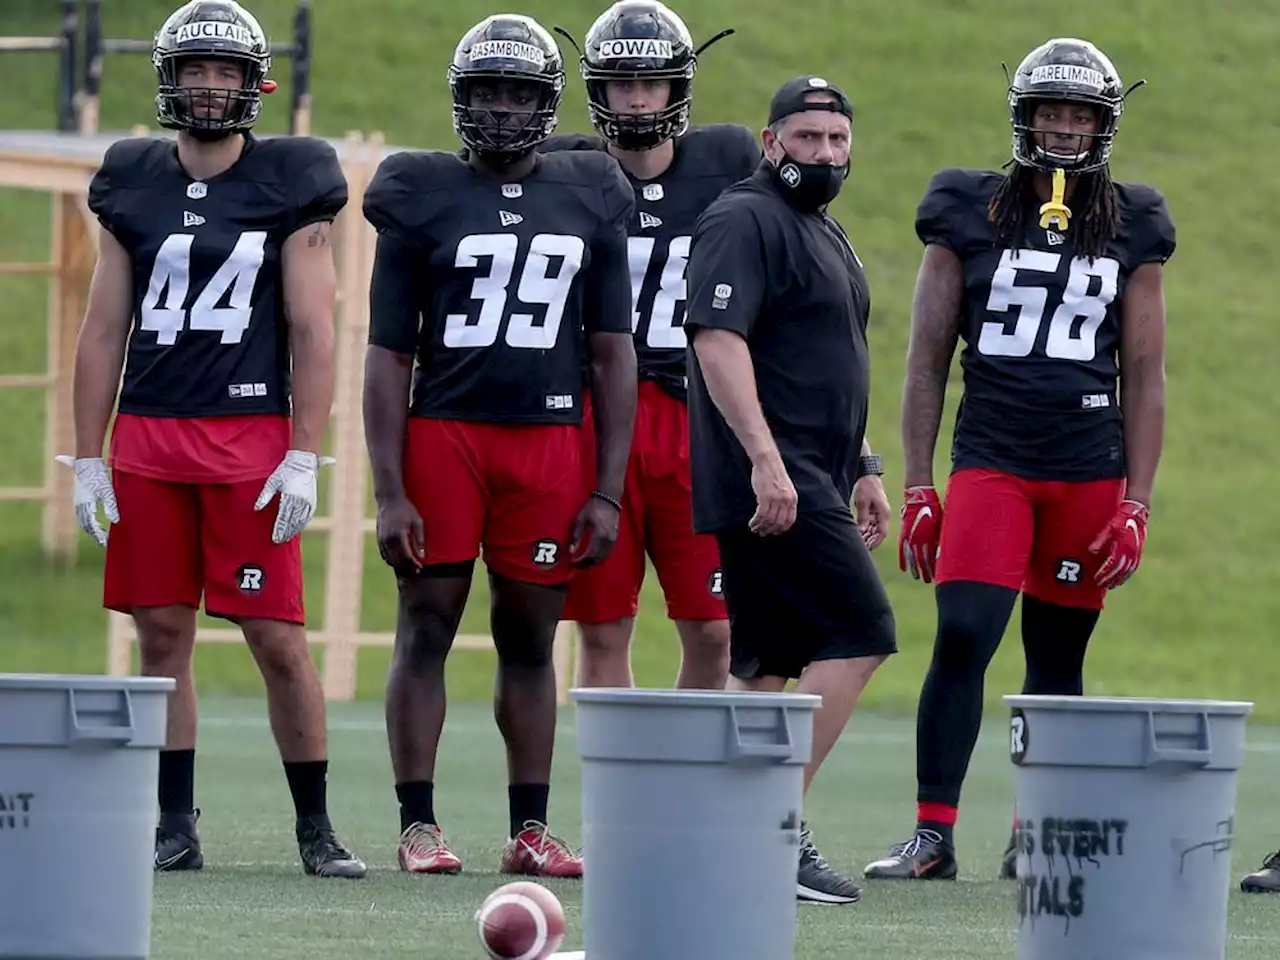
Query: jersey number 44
{"points": [[162, 309]]}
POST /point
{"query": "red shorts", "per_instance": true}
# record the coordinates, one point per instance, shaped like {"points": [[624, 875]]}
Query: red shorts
{"points": [[175, 541], [515, 490], [657, 515], [1028, 535]]}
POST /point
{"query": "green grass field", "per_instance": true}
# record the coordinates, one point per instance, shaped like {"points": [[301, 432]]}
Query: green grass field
{"points": [[252, 881], [1198, 621], [928, 86]]}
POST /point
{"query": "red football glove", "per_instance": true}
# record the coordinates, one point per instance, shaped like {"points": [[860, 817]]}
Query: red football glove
{"points": [[1122, 541], [919, 532]]}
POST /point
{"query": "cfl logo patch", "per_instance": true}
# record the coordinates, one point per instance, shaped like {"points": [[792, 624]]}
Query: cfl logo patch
{"points": [[546, 553], [715, 584], [1068, 571], [250, 579]]}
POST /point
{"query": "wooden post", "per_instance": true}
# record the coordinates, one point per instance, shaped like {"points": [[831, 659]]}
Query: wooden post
{"points": [[74, 254]]}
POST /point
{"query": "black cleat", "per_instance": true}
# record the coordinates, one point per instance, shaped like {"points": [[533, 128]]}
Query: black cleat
{"points": [[178, 843], [816, 882], [926, 856], [1009, 864], [323, 854], [1266, 879]]}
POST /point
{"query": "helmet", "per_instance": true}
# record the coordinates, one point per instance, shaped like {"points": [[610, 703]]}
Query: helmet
{"points": [[639, 39], [1065, 69], [509, 47], [215, 29]]}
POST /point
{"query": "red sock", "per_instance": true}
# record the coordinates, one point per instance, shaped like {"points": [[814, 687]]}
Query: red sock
{"points": [[937, 813]]}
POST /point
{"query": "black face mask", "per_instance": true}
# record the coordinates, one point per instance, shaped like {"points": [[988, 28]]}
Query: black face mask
{"points": [[810, 185]]}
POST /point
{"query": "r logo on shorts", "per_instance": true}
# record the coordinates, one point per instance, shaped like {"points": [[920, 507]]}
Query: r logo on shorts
{"points": [[715, 585], [1068, 571], [250, 578], [545, 553]]}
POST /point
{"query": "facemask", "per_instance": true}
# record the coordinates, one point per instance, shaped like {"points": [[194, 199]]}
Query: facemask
{"points": [[810, 185]]}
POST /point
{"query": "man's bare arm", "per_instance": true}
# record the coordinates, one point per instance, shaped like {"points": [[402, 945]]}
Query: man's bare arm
{"points": [[1142, 379], [310, 291], [935, 328], [730, 377], [101, 344]]}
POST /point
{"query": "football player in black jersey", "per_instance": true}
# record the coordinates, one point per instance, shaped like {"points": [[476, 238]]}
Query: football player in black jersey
{"points": [[1053, 277], [504, 274], [638, 65], [202, 243]]}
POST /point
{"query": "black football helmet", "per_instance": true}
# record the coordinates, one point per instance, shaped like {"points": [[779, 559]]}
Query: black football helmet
{"points": [[639, 39], [1065, 69], [210, 29], [508, 47]]}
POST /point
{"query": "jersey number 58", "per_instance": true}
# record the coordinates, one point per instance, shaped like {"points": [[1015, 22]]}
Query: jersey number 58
{"points": [[1031, 302]]}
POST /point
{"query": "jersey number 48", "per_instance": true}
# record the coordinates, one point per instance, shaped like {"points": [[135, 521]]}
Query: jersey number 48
{"points": [[1031, 302], [171, 280]]}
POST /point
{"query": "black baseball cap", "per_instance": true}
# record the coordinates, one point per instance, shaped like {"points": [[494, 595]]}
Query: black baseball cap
{"points": [[790, 98]]}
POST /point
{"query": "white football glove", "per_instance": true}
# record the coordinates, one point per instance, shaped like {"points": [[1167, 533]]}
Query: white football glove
{"points": [[93, 487], [295, 481]]}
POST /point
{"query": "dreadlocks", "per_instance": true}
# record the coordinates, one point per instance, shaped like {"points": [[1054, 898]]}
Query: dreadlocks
{"points": [[1093, 207]]}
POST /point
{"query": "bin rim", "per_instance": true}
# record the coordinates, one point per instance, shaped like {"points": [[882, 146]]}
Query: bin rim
{"points": [[85, 682], [1126, 705], [693, 698]]}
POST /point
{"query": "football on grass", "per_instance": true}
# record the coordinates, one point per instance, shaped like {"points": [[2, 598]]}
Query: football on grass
{"points": [[521, 921]]}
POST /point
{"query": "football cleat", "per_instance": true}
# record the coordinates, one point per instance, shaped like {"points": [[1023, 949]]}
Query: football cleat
{"points": [[926, 856], [323, 854], [178, 843], [1266, 879], [816, 882], [423, 849], [535, 852]]}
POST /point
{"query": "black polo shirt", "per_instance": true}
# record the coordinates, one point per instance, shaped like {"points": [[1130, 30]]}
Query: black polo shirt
{"points": [[790, 283]]}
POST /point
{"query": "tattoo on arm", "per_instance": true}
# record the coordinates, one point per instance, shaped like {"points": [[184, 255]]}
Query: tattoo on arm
{"points": [[319, 235]]}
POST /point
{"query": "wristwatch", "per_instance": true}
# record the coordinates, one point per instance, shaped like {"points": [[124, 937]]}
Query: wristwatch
{"points": [[870, 466]]}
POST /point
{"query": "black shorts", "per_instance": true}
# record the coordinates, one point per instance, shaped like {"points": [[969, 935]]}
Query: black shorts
{"points": [[812, 593]]}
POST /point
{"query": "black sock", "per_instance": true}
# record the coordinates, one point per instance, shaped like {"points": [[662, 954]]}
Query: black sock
{"points": [[528, 801], [417, 802], [177, 781], [971, 622], [307, 784]]}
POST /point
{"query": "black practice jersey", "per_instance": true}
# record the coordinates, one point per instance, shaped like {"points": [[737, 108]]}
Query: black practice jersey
{"points": [[790, 283], [209, 334], [1042, 331], [494, 285], [707, 160]]}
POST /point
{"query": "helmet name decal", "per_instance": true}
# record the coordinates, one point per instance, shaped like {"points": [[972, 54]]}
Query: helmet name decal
{"points": [[215, 30], [1067, 73], [507, 49], [635, 49]]}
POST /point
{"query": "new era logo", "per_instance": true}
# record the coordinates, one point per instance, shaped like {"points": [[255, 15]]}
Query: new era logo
{"points": [[648, 220], [1054, 237], [190, 219], [509, 219]]}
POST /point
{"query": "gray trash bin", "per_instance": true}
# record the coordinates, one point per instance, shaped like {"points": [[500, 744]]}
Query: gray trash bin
{"points": [[691, 808], [78, 769], [1125, 817]]}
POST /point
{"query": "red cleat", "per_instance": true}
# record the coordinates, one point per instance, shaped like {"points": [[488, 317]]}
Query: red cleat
{"points": [[423, 849], [534, 852]]}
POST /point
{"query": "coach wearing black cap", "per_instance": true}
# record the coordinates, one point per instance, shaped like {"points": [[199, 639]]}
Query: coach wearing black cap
{"points": [[778, 389]]}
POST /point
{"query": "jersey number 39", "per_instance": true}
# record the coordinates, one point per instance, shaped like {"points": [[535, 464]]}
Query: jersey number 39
{"points": [[171, 280], [1031, 301]]}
